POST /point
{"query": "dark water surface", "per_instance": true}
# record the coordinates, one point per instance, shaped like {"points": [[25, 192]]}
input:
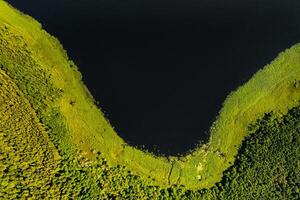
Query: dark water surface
{"points": [[161, 69]]}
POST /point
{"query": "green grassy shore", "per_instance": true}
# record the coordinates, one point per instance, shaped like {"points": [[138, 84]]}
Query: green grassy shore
{"points": [[48, 114]]}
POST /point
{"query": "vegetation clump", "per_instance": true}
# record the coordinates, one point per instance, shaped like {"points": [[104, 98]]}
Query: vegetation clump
{"points": [[266, 166]]}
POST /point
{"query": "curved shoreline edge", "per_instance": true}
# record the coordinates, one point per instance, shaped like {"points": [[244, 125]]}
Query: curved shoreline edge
{"points": [[272, 89]]}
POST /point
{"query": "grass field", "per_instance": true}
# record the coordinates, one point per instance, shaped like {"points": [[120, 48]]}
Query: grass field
{"points": [[50, 85]]}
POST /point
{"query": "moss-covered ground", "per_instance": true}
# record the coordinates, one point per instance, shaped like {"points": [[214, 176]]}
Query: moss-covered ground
{"points": [[56, 143]]}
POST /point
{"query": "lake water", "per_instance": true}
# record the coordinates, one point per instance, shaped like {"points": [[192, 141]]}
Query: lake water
{"points": [[161, 69]]}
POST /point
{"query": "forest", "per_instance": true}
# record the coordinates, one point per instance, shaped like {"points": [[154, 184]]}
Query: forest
{"points": [[50, 148]]}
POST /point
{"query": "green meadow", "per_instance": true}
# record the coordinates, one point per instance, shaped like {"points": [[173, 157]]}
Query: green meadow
{"points": [[55, 143]]}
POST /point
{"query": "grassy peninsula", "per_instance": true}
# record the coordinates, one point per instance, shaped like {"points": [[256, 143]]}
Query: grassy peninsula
{"points": [[55, 143]]}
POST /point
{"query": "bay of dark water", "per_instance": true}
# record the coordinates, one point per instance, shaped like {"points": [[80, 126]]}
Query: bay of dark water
{"points": [[161, 69]]}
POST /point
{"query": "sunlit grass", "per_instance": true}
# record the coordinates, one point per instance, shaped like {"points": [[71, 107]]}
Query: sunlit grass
{"points": [[52, 84]]}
